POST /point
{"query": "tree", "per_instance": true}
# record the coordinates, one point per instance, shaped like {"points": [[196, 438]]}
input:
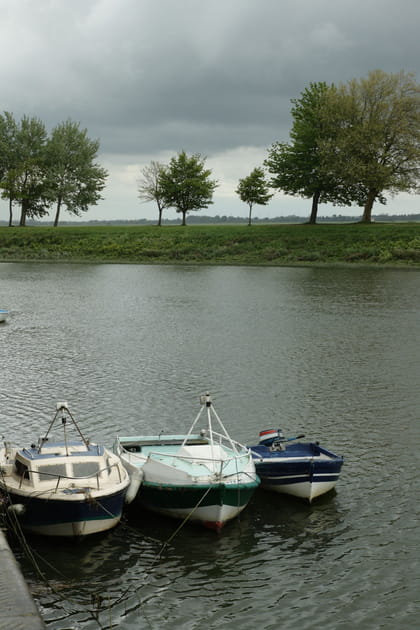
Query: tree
{"points": [[254, 190], [8, 158], [377, 144], [25, 181], [150, 186], [297, 167], [186, 184], [74, 179]]}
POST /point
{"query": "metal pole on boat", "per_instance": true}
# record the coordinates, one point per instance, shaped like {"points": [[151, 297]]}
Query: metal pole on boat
{"points": [[64, 422], [206, 400], [192, 426], [45, 438], [233, 444], [84, 440], [208, 406], [62, 406]]}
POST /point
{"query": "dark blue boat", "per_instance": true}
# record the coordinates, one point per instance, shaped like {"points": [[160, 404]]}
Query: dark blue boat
{"points": [[302, 469]]}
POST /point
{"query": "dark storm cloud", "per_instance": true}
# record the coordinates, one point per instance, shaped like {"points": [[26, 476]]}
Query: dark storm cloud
{"points": [[152, 76], [224, 72]]}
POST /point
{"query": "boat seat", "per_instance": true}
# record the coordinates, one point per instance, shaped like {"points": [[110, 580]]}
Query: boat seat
{"points": [[132, 448]]}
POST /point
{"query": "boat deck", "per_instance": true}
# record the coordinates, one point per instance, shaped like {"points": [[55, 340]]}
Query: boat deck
{"points": [[56, 449], [196, 457]]}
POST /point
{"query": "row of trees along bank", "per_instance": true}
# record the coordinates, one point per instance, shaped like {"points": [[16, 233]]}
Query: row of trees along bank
{"points": [[349, 145], [41, 172]]}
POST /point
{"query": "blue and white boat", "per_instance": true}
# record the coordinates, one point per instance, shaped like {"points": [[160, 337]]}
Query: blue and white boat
{"points": [[301, 469], [4, 314], [203, 476], [70, 487]]}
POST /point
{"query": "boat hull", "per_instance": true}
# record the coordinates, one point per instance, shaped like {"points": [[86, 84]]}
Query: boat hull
{"points": [[298, 486], [306, 471], [211, 506], [67, 517]]}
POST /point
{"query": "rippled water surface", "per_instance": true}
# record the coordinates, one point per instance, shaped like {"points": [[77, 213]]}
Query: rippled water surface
{"points": [[330, 353]]}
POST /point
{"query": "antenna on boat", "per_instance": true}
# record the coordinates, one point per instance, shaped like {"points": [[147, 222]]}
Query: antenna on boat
{"points": [[205, 399], [64, 408], [207, 403]]}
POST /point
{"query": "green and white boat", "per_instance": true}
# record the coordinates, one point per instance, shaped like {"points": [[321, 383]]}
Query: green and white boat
{"points": [[203, 476]]}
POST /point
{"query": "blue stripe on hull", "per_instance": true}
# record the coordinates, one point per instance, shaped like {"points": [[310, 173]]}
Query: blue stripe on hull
{"points": [[288, 480], [305, 470]]}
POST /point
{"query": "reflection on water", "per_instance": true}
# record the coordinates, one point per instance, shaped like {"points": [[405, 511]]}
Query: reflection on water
{"points": [[330, 353], [196, 570]]}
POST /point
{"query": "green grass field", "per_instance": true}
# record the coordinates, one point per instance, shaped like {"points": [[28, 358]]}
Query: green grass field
{"points": [[396, 244]]}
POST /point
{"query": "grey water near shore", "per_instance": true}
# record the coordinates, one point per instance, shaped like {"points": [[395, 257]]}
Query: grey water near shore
{"points": [[332, 353]]}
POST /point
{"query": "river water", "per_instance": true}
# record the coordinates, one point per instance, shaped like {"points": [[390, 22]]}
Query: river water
{"points": [[332, 353]]}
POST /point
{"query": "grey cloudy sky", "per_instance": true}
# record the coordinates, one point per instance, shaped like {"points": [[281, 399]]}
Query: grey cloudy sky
{"points": [[149, 78]]}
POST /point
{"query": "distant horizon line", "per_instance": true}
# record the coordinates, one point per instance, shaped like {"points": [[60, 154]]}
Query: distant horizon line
{"points": [[221, 219]]}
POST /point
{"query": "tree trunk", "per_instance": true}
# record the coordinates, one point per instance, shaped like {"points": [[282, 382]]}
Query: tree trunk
{"points": [[314, 210], [250, 211], [57, 213], [10, 212], [160, 216], [367, 211], [184, 215], [24, 210]]}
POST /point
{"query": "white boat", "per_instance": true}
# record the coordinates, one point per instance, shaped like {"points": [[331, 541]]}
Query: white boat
{"points": [[70, 487], [4, 314], [202, 476]]}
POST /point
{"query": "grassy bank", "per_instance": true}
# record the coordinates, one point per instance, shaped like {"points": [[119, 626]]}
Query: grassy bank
{"points": [[272, 244]]}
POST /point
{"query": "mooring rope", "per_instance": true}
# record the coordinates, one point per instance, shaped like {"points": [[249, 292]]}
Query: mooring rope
{"points": [[164, 546], [75, 607]]}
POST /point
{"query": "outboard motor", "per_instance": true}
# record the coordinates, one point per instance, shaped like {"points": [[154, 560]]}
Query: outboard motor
{"points": [[273, 439]]}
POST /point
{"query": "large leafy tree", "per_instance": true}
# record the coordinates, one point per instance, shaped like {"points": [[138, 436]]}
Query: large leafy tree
{"points": [[298, 167], [254, 190], [8, 158], [150, 186], [74, 179], [25, 181], [186, 184], [377, 145]]}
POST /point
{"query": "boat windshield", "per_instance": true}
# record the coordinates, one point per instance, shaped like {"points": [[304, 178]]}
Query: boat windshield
{"points": [[85, 469], [48, 472]]}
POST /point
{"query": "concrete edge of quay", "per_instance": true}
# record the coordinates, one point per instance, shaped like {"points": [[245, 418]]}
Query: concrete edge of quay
{"points": [[17, 607]]}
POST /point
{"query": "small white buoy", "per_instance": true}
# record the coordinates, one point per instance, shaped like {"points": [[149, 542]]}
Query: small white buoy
{"points": [[17, 508]]}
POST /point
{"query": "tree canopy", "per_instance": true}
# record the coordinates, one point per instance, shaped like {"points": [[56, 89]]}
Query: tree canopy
{"points": [[8, 158], [377, 144], [186, 184], [150, 186], [74, 179], [351, 143], [37, 170], [298, 167], [253, 189]]}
